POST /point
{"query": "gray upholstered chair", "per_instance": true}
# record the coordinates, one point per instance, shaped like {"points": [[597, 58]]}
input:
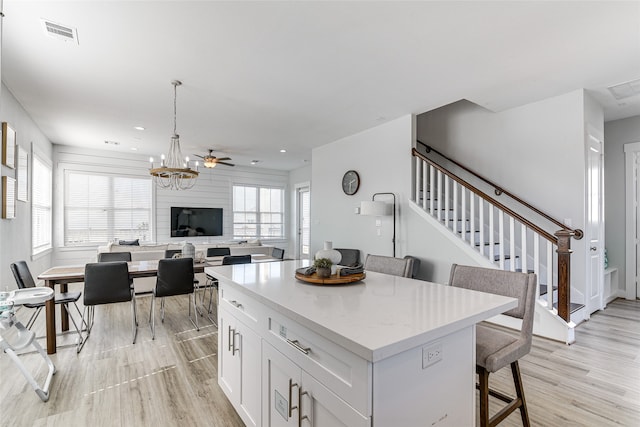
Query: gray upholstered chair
{"points": [[106, 283], [389, 265], [175, 277], [350, 257], [114, 256], [415, 266], [495, 349]]}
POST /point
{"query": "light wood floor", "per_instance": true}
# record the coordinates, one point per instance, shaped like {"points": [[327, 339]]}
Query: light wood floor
{"points": [[172, 381]]}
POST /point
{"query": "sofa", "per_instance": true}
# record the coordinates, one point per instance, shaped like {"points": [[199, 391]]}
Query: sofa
{"points": [[155, 251]]}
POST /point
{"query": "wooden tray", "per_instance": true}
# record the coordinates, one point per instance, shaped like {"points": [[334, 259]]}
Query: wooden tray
{"points": [[331, 280]]}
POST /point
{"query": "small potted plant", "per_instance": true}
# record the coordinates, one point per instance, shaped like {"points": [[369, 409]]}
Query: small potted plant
{"points": [[323, 267]]}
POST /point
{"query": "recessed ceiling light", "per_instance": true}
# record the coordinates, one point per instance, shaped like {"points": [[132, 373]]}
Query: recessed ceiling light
{"points": [[112, 142], [283, 151], [138, 128], [134, 149], [253, 162]]}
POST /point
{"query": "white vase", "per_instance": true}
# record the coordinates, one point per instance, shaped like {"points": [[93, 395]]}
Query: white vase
{"points": [[189, 251], [330, 253]]}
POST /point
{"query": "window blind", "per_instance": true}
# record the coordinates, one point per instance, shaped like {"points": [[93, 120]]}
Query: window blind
{"points": [[99, 208]]}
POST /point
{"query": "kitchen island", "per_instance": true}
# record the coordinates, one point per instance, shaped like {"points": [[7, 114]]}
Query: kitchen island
{"points": [[385, 351]]}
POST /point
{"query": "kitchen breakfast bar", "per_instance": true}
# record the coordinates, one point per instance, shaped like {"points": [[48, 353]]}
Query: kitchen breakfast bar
{"points": [[384, 351]]}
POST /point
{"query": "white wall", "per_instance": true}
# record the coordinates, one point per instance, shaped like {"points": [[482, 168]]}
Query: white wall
{"points": [[382, 157], [536, 151], [616, 134], [213, 189], [15, 243]]}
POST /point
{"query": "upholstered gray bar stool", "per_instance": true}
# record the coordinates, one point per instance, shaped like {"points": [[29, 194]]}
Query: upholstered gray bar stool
{"points": [[495, 349], [402, 267]]}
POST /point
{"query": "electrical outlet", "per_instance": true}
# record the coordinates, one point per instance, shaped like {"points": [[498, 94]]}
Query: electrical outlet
{"points": [[431, 354]]}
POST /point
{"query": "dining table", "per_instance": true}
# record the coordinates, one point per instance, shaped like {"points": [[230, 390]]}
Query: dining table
{"points": [[61, 276]]}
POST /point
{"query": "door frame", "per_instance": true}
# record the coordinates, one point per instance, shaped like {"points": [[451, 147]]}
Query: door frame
{"points": [[300, 187], [631, 170]]}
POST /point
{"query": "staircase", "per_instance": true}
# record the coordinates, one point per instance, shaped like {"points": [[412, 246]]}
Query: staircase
{"points": [[508, 234]]}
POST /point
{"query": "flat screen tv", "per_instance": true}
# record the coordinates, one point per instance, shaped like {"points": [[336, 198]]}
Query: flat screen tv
{"points": [[188, 222]]}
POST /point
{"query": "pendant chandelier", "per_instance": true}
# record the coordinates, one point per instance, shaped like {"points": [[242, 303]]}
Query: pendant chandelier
{"points": [[174, 172]]}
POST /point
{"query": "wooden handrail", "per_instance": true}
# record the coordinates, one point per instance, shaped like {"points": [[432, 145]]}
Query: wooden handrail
{"points": [[550, 237], [575, 233]]}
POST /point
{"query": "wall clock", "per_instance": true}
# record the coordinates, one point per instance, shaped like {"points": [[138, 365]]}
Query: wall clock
{"points": [[350, 182]]}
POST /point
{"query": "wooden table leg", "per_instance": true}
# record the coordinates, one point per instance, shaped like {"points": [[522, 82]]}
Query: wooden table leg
{"points": [[64, 315], [50, 314]]}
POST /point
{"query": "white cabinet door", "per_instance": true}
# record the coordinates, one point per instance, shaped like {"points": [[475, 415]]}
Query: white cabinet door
{"points": [[292, 397], [249, 403], [322, 408], [239, 362], [228, 362], [280, 382]]}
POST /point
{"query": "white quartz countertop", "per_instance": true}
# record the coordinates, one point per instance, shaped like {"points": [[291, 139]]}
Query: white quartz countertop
{"points": [[375, 318]]}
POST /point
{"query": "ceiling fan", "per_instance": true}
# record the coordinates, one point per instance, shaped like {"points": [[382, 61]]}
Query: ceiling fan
{"points": [[210, 161]]}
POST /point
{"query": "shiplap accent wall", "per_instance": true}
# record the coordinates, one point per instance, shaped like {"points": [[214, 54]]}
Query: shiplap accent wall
{"points": [[213, 189]]}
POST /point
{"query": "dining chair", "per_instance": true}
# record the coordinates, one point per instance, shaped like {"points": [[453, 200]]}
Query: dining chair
{"points": [[277, 253], [211, 252], [402, 267], [170, 253], [24, 280], [107, 283], [236, 259], [175, 277], [212, 283], [114, 256], [495, 349]]}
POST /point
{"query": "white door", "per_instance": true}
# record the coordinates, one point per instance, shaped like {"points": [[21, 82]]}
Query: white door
{"points": [[632, 219], [595, 226], [303, 222]]}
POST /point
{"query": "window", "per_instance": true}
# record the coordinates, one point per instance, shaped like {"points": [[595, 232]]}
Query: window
{"points": [[258, 212], [40, 206], [101, 207]]}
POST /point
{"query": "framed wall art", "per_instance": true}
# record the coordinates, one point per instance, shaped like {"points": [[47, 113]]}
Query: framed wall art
{"points": [[9, 197], [8, 146], [22, 175]]}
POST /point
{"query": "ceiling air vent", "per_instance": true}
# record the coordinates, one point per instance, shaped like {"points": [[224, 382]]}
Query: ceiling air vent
{"points": [[625, 90], [60, 32]]}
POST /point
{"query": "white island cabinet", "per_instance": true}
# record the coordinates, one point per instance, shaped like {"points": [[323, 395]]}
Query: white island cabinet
{"points": [[386, 351]]}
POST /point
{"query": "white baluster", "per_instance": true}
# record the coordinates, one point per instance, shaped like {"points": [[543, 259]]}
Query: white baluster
{"points": [[425, 187], [446, 200], [492, 239], [440, 190], [523, 248], [419, 162], [481, 221], [501, 238], [550, 252], [454, 206], [472, 217], [463, 215], [512, 244], [432, 189], [536, 259]]}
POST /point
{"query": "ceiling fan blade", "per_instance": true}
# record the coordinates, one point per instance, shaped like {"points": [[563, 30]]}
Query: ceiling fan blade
{"points": [[198, 155], [225, 163]]}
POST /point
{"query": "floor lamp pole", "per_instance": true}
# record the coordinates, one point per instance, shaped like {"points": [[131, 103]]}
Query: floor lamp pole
{"points": [[373, 198]]}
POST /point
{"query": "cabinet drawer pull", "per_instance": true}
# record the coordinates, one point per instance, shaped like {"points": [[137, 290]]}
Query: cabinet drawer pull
{"points": [[291, 407], [297, 345], [232, 333], [300, 416], [235, 303]]}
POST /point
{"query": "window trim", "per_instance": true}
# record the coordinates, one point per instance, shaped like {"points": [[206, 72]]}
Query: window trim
{"points": [[258, 187], [48, 247]]}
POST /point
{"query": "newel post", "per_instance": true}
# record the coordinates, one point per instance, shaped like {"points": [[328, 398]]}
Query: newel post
{"points": [[564, 273]]}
